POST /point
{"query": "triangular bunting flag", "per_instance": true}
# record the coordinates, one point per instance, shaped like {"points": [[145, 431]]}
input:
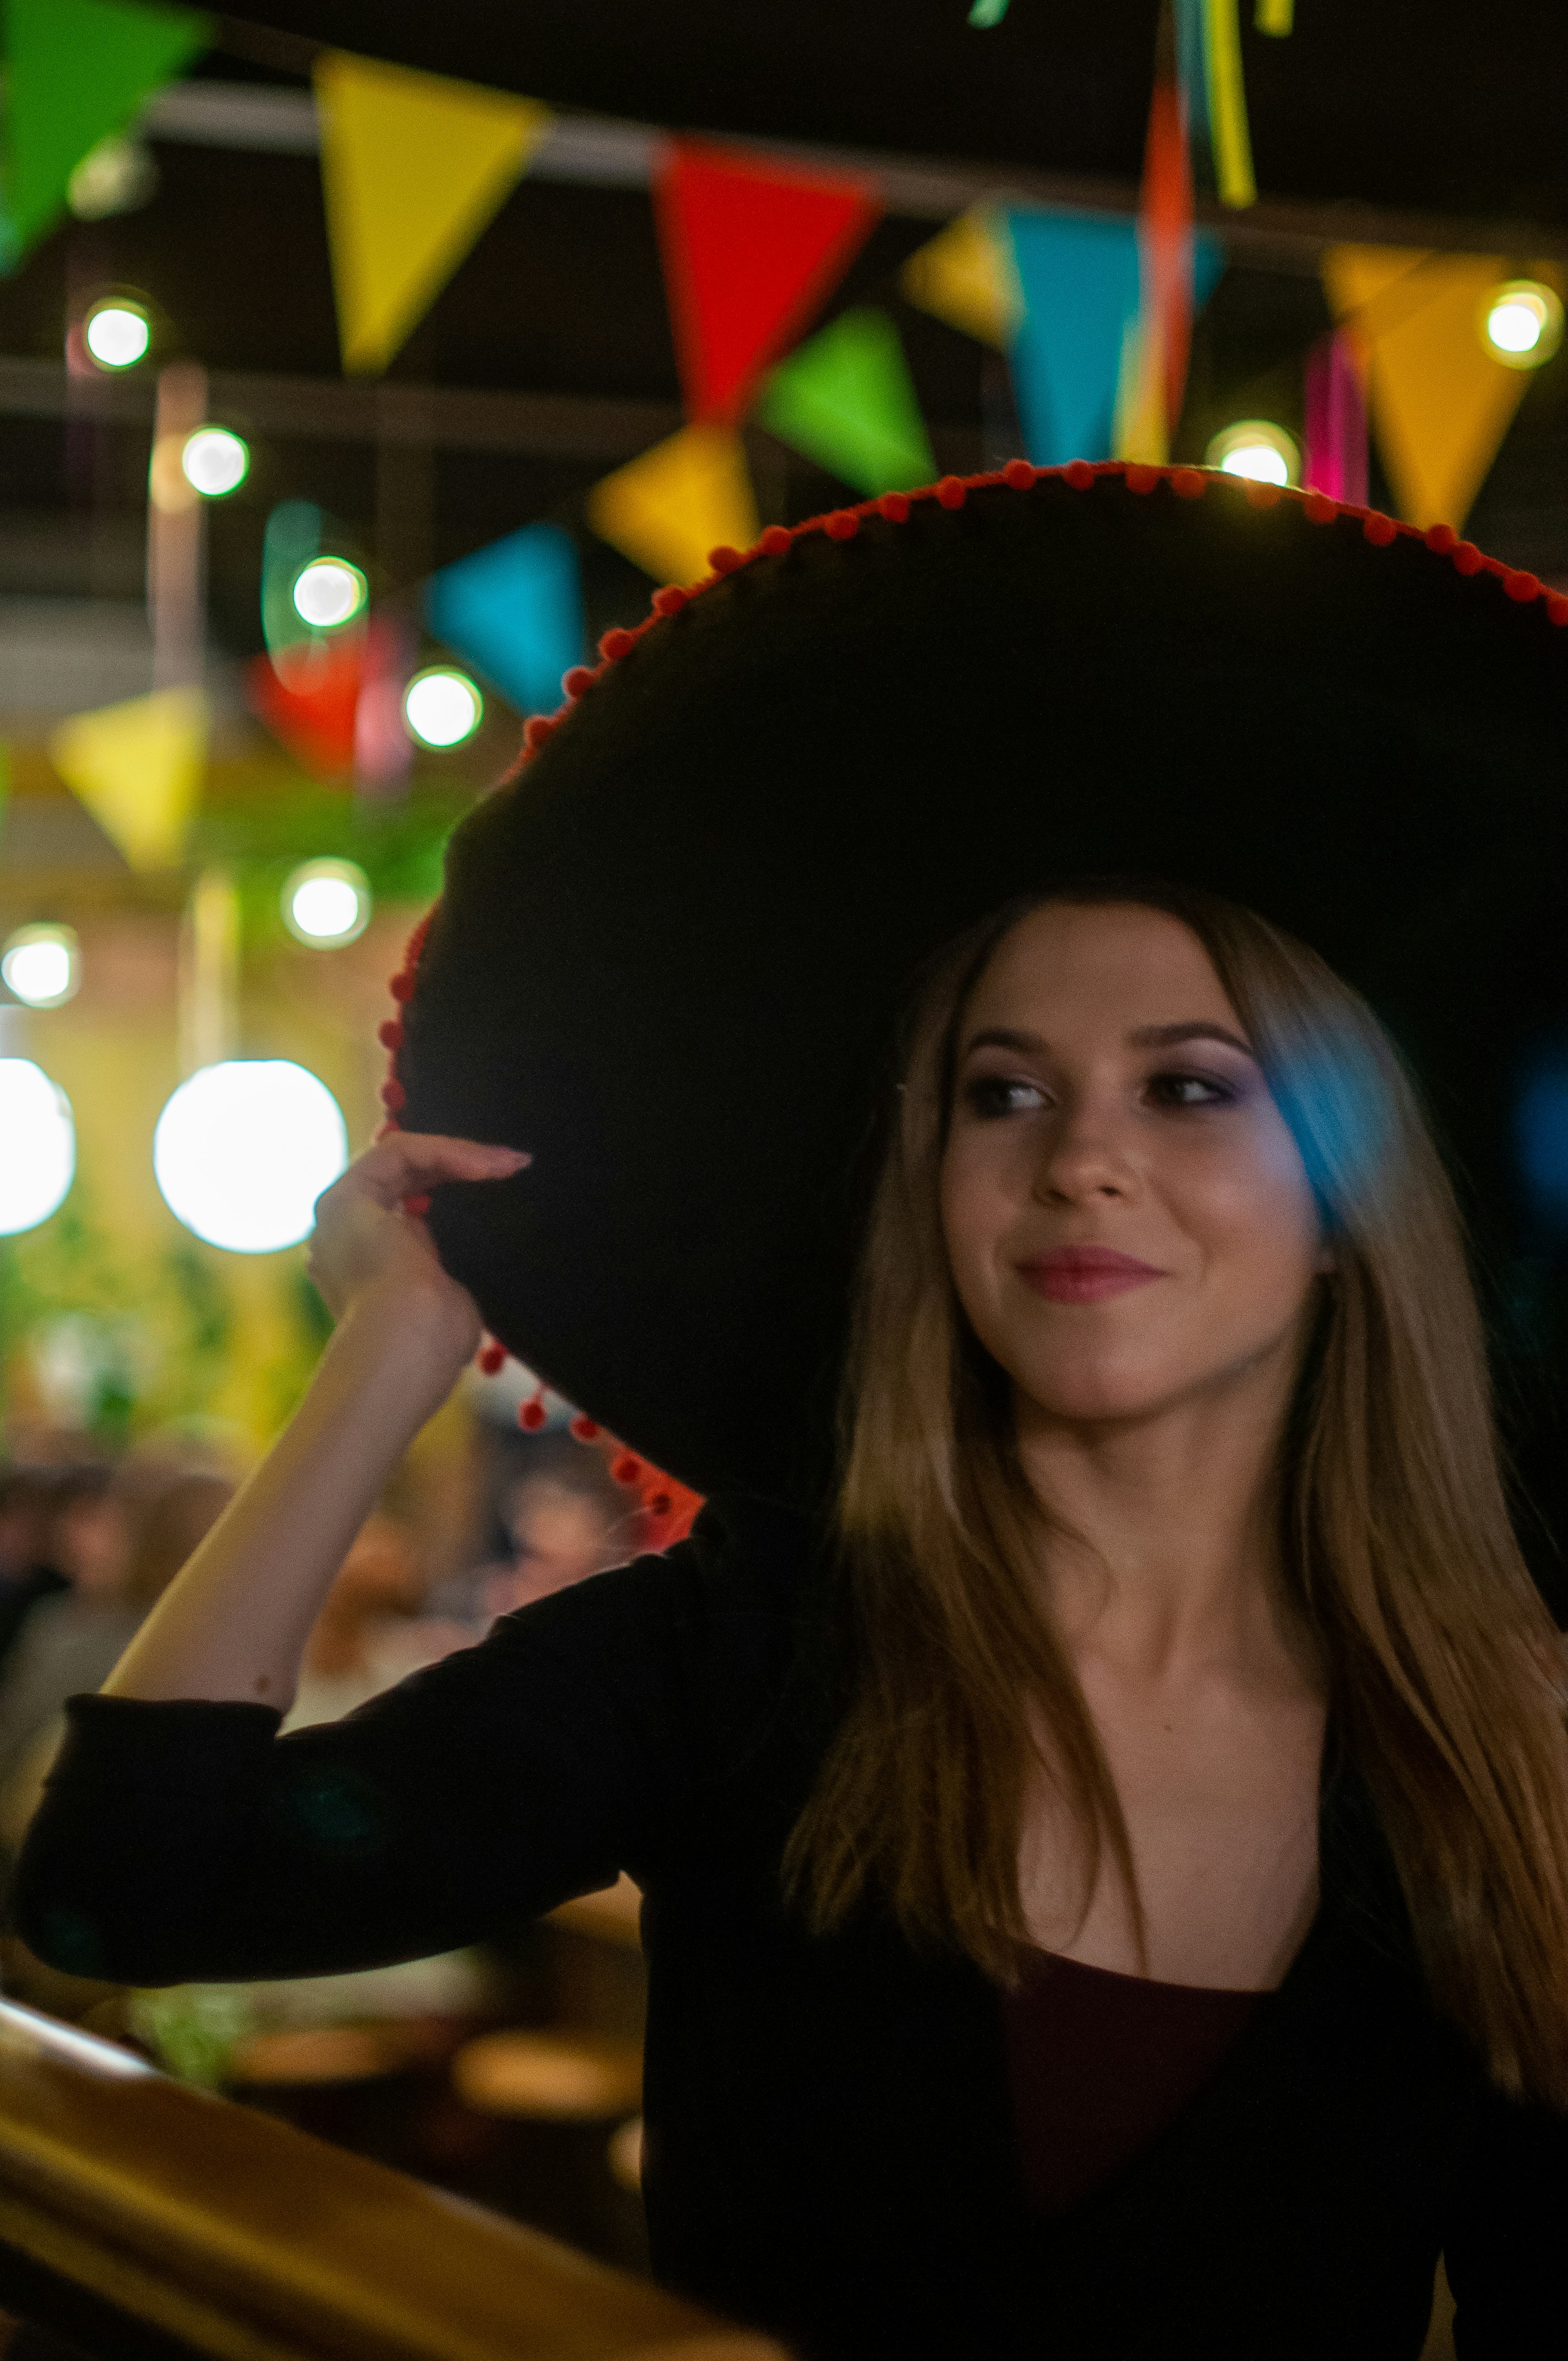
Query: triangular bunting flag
{"points": [[515, 610], [966, 276], [1080, 278], [309, 698], [1440, 404], [846, 401], [751, 251], [75, 72], [413, 166], [138, 769], [667, 508]]}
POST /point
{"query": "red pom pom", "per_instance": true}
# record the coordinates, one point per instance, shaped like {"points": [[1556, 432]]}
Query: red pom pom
{"points": [[1318, 509], [1079, 475], [492, 1358], [1141, 480], [1261, 496], [390, 1034], [843, 525], [776, 540], [536, 729], [659, 1504], [669, 601], [1467, 558], [951, 492], [532, 1414], [578, 680], [1441, 537], [1190, 483], [393, 1094], [1019, 474], [894, 506], [725, 560], [417, 1207], [1556, 608], [1522, 586], [1378, 530], [401, 985], [626, 1467], [616, 644], [585, 1429]]}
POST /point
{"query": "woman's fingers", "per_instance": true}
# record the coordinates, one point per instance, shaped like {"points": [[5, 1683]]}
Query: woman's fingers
{"points": [[409, 1162]]}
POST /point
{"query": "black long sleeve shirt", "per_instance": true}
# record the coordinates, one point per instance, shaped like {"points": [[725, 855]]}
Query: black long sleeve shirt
{"points": [[830, 2149]]}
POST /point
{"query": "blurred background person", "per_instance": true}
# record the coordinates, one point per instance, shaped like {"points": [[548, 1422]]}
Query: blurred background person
{"points": [[561, 1516]]}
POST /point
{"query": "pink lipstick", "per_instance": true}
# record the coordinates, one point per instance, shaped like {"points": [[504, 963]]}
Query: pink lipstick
{"points": [[1085, 1274]]}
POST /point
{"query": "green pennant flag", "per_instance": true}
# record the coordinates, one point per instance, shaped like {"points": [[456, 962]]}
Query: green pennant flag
{"points": [[75, 72], [845, 399]]}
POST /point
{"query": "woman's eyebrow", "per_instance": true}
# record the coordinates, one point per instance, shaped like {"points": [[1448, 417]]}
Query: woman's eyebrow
{"points": [[1170, 1036]]}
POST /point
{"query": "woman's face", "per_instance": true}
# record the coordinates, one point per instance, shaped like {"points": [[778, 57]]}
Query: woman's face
{"points": [[1127, 1218]]}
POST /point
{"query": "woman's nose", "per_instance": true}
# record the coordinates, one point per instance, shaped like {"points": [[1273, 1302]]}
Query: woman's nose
{"points": [[1084, 1157]]}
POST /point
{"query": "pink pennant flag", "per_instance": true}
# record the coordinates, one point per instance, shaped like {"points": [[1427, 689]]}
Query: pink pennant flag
{"points": [[1336, 420]]}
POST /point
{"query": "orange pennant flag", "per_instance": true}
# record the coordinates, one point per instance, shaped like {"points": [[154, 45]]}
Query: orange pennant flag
{"points": [[667, 508]]}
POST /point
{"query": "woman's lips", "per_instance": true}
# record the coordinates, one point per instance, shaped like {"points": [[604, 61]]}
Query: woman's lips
{"points": [[1085, 1274]]}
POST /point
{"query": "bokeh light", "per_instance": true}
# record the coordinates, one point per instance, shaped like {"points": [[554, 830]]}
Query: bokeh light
{"points": [[442, 707], [117, 334], [214, 462], [243, 1150], [42, 964], [37, 1146], [1521, 323], [328, 902], [1256, 448], [114, 177], [328, 592]]}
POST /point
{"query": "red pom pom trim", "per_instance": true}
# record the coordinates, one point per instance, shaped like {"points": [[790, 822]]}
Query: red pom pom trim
{"points": [[493, 1358], [532, 1414], [1079, 475], [1467, 558], [843, 525], [393, 1094], [577, 681], [401, 985], [536, 729], [1440, 538], [1556, 608], [725, 560], [417, 1207], [1019, 474], [390, 1034], [1378, 530], [952, 492], [616, 644], [1140, 478], [1261, 496], [1190, 483], [1318, 509], [1521, 585], [626, 1467], [584, 1429], [894, 506], [776, 540], [670, 599]]}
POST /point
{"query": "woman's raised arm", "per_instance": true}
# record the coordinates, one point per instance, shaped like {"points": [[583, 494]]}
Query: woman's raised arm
{"points": [[234, 1623]]}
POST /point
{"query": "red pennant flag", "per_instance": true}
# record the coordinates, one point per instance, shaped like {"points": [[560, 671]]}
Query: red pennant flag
{"points": [[1164, 229], [751, 251], [312, 707]]}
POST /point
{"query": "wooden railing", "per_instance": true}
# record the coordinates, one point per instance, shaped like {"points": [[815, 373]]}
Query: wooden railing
{"points": [[184, 2216]]}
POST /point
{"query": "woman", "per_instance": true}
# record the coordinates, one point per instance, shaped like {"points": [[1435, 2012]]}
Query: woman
{"points": [[1108, 1875]]}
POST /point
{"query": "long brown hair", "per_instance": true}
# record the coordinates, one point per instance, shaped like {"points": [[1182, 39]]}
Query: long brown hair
{"points": [[1443, 1666]]}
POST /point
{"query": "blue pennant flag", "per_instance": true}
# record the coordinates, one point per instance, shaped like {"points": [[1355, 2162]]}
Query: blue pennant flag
{"points": [[515, 610], [1080, 278]]}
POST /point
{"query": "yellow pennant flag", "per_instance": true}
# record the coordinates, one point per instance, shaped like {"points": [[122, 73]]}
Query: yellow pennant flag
{"points": [[138, 769], [966, 276], [667, 508], [413, 166], [1440, 402]]}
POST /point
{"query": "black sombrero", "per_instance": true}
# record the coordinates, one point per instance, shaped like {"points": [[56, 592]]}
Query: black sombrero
{"points": [[672, 944]]}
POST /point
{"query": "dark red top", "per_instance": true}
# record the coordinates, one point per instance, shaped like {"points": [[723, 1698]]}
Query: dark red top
{"points": [[1101, 2063]]}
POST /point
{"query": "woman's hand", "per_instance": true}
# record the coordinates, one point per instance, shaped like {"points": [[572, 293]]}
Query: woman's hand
{"points": [[366, 1242]]}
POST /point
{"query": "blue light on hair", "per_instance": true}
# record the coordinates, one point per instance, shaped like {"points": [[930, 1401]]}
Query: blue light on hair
{"points": [[1540, 1138]]}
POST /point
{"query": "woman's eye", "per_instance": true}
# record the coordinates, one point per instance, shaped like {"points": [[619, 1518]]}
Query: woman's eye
{"points": [[1189, 1090], [990, 1095]]}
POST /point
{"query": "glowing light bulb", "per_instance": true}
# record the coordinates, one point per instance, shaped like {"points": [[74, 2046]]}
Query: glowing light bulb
{"points": [[328, 592], [442, 707], [117, 334], [243, 1150], [37, 1146], [40, 965], [1256, 448], [1521, 323], [214, 462], [328, 902]]}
